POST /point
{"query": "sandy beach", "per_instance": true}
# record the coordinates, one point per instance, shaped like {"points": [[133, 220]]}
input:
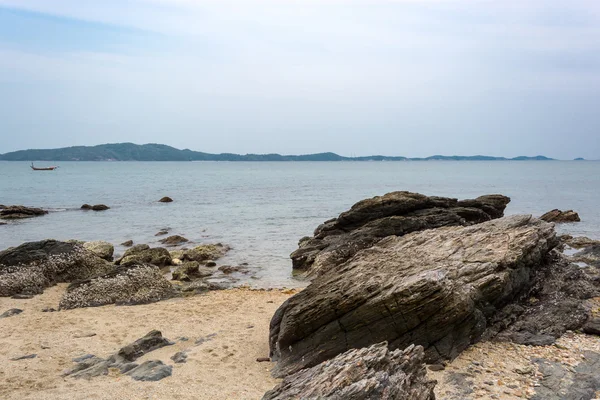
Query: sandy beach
{"points": [[222, 367]]}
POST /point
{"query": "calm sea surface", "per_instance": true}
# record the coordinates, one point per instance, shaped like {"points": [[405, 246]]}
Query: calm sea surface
{"points": [[261, 209]]}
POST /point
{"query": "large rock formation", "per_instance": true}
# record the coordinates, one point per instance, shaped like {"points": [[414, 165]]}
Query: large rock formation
{"points": [[20, 212], [396, 213], [134, 284], [440, 288], [33, 266], [142, 253], [373, 373]]}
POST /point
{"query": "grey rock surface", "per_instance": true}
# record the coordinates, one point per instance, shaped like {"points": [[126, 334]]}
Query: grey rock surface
{"points": [[102, 249], [372, 373]]}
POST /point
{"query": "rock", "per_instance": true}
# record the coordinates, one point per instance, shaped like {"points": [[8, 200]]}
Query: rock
{"points": [[127, 243], [202, 253], [29, 268], [20, 212], [227, 269], [166, 199], [559, 216], [578, 242], [142, 253], [84, 335], [133, 284], [48, 309], [161, 233], [90, 366], [440, 289], [19, 296], [11, 312], [102, 249], [211, 263], [199, 286], [560, 382], [150, 371], [96, 207], [179, 358], [592, 325], [28, 356], [361, 374], [436, 367], [396, 213], [590, 255], [263, 359], [190, 270], [174, 240]]}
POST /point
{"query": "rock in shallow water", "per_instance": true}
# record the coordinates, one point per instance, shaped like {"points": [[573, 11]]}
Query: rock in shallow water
{"points": [[361, 374], [20, 212], [396, 213], [439, 289], [142, 253], [559, 216], [174, 240]]}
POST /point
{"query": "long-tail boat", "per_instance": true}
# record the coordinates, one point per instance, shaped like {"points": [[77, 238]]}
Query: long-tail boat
{"points": [[44, 168]]}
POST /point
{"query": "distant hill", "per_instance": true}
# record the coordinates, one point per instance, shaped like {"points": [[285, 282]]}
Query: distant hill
{"points": [[161, 152]]}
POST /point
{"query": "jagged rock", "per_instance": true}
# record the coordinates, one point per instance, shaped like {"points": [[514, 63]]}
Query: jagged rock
{"points": [[11, 312], [89, 366], [590, 255], [559, 216], [201, 253], [150, 371], [20, 212], [142, 253], [29, 268], [166, 199], [562, 382], [127, 243], [578, 242], [133, 284], [437, 289], [174, 240], [396, 213], [361, 374], [102, 249]]}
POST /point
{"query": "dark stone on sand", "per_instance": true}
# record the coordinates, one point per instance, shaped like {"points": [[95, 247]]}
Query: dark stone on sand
{"points": [[561, 382], [179, 358], [396, 213], [20, 212], [369, 373], [142, 253], [11, 312], [19, 296], [26, 357], [127, 243], [190, 270], [166, 199], [90, 366], [559, 216], [436, 367], [592, 326]]}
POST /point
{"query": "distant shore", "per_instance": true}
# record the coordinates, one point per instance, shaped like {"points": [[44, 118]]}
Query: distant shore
{"points": [[161, 152]]}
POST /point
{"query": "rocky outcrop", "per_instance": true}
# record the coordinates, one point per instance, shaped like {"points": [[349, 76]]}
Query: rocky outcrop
{"points": [[102, 249], [20, 212], [590, 255], [396, 213], [166, 199], [134, 284], [90, 366], [441, 289], [142, 253], [96, 207], [31, 267], [559, 216], [174, 240], [361, 374], [578, 242], [202, 253]]}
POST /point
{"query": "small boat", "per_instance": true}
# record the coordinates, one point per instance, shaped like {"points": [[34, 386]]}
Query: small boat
{"points": [[44, 168]]}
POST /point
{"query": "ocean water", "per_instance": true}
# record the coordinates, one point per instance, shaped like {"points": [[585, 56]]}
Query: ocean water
{"points": [[262, 209]]}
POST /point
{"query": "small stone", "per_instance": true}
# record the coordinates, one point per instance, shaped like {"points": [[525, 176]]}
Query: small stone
{"points": [[263, 359], [210, 263], [84, 335], [166, 199], [127, 243], [22, 296], [48, 309], [179, 358], [11, 312], [24, 357]]}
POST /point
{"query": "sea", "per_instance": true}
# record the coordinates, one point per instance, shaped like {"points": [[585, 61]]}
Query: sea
{"points": [[262, 209]]}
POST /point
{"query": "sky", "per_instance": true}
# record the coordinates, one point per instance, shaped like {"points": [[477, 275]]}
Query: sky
{"points": [[356, 77]]}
